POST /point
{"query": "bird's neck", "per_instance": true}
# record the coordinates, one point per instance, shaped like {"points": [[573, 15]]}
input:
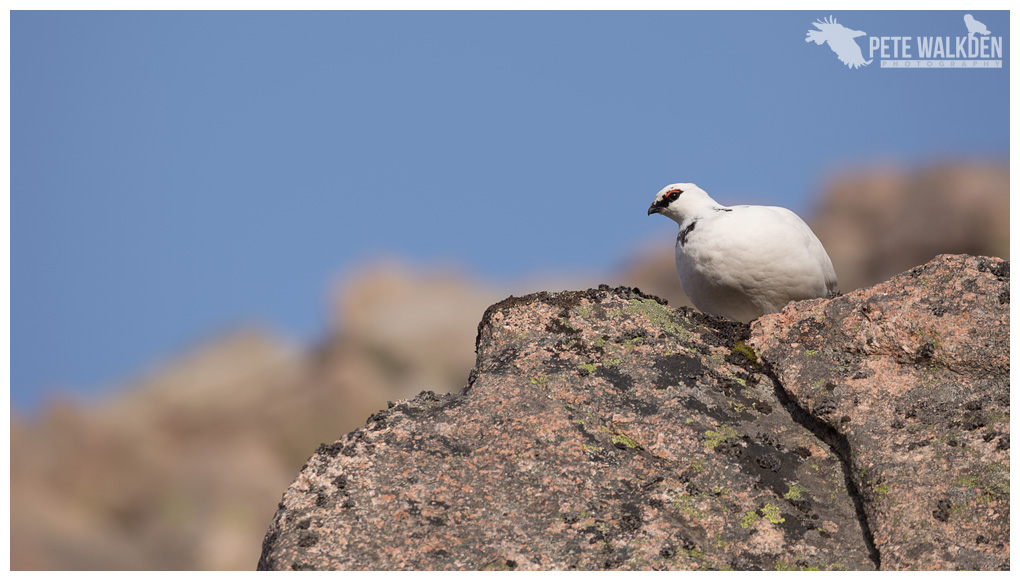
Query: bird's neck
{"points": [[688, 221], [704, 209]]}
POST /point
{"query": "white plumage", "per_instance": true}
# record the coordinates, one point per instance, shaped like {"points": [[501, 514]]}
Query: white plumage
{"points": [[742, 262]]}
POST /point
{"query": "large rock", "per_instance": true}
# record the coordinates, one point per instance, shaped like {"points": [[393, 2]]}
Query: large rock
{"points": [[910, 380], [604, 430]]}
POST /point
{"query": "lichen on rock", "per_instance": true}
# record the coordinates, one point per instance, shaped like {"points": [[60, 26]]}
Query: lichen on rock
{"points": [[601, 429], [915, 386]]}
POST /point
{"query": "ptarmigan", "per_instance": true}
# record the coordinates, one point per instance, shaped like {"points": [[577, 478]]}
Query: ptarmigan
{"points": [[742, 262]]}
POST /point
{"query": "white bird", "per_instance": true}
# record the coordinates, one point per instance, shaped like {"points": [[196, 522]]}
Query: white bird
{"points": [[742, 262], [974, 26]]}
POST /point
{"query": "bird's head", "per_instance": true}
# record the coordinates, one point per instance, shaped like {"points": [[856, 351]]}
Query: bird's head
{"points": [[678, 201]]}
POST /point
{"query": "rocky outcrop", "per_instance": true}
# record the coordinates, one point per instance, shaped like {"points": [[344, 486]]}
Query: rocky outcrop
{"points": [[605, 430], [910, 379]]}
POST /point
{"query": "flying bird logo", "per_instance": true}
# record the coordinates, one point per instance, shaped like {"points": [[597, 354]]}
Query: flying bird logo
{"points": [[974, 26], [841, 40]]}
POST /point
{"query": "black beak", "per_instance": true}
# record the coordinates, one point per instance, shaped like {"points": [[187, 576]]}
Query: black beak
{"points": [[653, 209]]}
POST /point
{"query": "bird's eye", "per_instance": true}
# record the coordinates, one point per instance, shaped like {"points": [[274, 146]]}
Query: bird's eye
{"points": [[672, 195]]}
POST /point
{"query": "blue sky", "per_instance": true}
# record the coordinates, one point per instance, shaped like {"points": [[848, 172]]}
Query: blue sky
{"points": [[177, 173]]}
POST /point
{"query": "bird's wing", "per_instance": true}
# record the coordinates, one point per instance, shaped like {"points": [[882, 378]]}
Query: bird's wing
{"points": [[800, 240], [812, 244]]}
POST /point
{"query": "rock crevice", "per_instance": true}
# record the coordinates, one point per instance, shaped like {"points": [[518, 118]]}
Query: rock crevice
{"points": [[913, 375], [840, 446]]}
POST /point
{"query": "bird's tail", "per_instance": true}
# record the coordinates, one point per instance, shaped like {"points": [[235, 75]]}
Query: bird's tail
{"points": [[816, 36]]}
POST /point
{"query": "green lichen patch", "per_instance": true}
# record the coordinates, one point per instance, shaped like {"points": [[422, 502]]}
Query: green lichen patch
{"points": [[746, 351], [992, 480], [660, 316], [583, 311], [715, 437], [769, 512], [685, 504], [772, 514], [622, 440], [794, 492], [881, 491]]}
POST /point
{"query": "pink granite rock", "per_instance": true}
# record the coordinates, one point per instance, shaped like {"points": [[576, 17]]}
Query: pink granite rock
{"points": [[910, 379], [604, 430]]}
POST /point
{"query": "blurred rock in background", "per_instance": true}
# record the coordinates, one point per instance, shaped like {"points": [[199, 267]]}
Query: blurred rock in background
{"points": [[164, 474], [876, 224], [184, 468]]}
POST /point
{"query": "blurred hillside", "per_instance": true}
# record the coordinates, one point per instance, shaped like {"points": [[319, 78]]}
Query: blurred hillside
{"points": [[183, 469]]}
